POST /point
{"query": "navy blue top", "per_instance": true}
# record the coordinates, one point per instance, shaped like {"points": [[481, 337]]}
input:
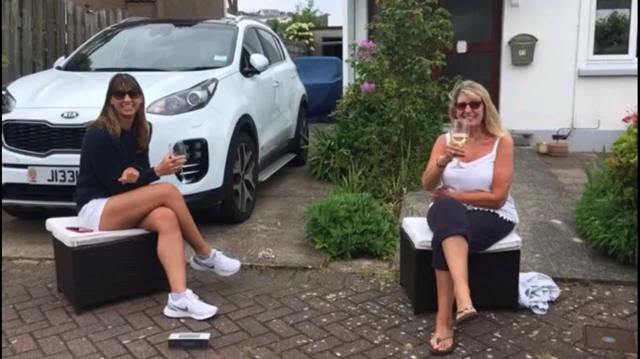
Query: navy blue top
{"points": [[103, 158]]}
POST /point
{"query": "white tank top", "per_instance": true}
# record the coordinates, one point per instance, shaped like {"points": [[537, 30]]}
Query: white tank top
{"points": [[477, 176]]}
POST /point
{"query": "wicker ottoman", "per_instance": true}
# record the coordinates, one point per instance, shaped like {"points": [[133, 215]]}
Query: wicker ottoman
{"points": [[493, 274], [99, 267]]}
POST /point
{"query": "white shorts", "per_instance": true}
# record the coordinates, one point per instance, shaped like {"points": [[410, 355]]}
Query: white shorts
{"points": [[91, 213]]}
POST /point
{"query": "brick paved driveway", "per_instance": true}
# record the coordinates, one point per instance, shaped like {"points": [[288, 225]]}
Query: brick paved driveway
{"points": [[288, 314]]}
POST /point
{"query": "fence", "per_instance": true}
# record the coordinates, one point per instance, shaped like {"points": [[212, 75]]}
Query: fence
{"points": [[37, 32], [296, 49]]}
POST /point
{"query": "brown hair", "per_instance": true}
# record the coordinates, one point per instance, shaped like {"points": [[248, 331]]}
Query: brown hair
{"points": [[491, 121], [109, 119]]}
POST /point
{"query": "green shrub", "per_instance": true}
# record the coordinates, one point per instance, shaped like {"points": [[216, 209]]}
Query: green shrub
{"points": [[623, 164], [606, 219], [391, 115], [352, 225], [5, 61]]}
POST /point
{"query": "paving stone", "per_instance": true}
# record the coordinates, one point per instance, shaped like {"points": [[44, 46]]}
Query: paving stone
{"points": [[362, 318]]}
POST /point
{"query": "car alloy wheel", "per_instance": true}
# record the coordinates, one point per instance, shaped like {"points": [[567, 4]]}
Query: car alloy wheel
{"points": [[244, 186]]}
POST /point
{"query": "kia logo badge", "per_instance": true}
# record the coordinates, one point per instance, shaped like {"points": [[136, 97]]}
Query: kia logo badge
{"points": [[69, 115]]}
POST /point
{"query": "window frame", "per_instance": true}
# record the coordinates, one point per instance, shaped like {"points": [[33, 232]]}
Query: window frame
{"points": [[263, 36], [627, 59]]}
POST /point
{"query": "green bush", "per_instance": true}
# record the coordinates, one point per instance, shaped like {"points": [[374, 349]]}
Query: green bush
{"points": [[5, 61], [606, 219], [623, 164], [391, 115], [352, 225]]}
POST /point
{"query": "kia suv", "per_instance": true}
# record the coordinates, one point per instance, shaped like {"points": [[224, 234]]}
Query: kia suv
{"points": [[226, 87]]}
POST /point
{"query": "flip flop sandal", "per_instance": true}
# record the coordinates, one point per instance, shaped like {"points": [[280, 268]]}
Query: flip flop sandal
{"points": [[438, 353], [470, 315]]}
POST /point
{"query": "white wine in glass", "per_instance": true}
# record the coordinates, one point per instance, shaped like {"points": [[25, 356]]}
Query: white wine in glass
{"points": [[459, 134], [180, 149]]}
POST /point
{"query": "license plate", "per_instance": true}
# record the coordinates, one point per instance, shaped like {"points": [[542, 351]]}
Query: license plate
{"points": [[53, 175]]}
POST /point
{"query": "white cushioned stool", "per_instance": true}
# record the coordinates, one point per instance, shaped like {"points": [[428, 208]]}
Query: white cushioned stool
{"points": [[102, 266], [493, 274]]}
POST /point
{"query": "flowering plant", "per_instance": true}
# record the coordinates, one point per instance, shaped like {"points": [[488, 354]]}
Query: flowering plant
{"points": [[631, 117], [301, 32]]}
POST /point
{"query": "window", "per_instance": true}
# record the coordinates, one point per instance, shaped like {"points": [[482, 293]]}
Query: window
{"points": [[274, 54], [252, 43], [157, 47], [614, 31]]}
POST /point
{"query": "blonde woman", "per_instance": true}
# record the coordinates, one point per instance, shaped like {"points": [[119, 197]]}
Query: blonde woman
{"points": [[472, 207]]}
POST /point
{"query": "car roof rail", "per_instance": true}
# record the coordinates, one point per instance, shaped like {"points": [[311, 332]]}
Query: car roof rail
{"points": [[133, 18], [237, 18]]}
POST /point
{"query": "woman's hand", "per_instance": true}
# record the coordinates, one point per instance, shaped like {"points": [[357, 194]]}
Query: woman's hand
{"points": [[453, 150], [129, 176], [439, 193], [170, 165]]}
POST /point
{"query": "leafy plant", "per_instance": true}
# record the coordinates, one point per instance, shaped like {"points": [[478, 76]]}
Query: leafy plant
{"points": [[607, 220], [5, 61], [352, 225], [390, 117], [623, 164], [301, 33], [306, 12]]}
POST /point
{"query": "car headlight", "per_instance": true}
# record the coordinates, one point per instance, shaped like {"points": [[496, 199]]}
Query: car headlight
{"points": [[8, 102], [187, 100]]}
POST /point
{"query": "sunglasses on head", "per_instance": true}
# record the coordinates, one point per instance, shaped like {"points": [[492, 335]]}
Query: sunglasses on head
{"points": [[461, 106], [120, 95]]}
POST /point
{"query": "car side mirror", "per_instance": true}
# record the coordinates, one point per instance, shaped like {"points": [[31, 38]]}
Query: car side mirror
{"points": [[59, 62], [259, 62]]}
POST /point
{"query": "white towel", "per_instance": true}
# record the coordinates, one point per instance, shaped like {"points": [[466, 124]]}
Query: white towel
{"points": [[537, 290]]}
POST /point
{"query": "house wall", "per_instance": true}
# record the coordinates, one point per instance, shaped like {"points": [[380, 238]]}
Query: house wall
{"points": [[550, 94], [354, 31], [164, 8], [320, 33]]}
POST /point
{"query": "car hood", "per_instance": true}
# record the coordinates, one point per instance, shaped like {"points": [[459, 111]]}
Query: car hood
{"points": [[64, 89]]}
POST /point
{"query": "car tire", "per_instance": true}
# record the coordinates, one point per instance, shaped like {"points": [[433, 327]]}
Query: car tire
{"points": [[301, 141], [240, 180]]}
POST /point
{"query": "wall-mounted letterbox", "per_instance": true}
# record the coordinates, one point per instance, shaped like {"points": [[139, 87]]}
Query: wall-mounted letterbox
{"points": [[523, 48]]}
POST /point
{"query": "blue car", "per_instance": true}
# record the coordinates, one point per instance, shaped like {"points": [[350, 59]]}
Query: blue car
{"points": [[322, 78]]}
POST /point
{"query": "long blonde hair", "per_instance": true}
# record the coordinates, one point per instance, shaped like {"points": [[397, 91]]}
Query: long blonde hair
{"points": [[109, 120], [491, 120]]}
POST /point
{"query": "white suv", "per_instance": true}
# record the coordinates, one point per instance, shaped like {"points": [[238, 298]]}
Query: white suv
{"points": [[226, 87]]}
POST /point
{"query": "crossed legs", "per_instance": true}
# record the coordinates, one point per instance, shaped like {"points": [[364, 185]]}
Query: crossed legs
{"points": [[162, 209], [457, 233]]}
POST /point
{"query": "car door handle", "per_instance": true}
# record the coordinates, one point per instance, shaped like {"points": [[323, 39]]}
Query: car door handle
{"points": [[276, 84], [294, 75]]}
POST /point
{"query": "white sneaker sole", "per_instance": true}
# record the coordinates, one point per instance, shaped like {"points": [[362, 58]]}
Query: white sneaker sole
{"points": [[177, 315], [199, 267]]}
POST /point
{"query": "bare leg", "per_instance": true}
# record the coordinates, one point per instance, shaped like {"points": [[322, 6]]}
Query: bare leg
{"points": [[127, 210], [170, 245], [456, 250], [444, 319]]}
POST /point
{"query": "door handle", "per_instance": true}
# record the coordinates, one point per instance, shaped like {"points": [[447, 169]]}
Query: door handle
{"points": [[294, 75], [276, 84]]}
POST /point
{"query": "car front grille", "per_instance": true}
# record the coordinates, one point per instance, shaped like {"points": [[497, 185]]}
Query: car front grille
{"points": [[41, 138], [43, 193]]}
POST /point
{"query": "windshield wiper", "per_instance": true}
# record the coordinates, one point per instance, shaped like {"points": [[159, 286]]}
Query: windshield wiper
{"points": [[139, 69], [200, 68]]}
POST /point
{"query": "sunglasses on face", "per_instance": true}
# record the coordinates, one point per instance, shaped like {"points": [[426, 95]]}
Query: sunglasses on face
{"points": [[461, 106], [120, 95]]}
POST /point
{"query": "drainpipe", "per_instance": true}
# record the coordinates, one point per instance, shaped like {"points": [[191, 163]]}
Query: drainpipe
{"points": [[576, 70]]}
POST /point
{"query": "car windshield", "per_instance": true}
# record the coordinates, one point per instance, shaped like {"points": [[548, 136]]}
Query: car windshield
{"points": [[157, 47]]}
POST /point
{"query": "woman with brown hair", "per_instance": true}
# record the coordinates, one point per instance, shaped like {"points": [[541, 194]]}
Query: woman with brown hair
{"points": [[115, 192], [472, 208]]}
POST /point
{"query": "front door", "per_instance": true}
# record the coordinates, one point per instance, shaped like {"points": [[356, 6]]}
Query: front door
{"points": [[477, 28], [478, 32]]}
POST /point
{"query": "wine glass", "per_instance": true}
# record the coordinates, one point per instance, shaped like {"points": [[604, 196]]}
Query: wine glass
{"points": [[459, 134], [180, 149]]}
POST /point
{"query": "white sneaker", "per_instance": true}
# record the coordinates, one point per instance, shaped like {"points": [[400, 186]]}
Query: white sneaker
{"points": [[189, 306], [217, 262]]}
